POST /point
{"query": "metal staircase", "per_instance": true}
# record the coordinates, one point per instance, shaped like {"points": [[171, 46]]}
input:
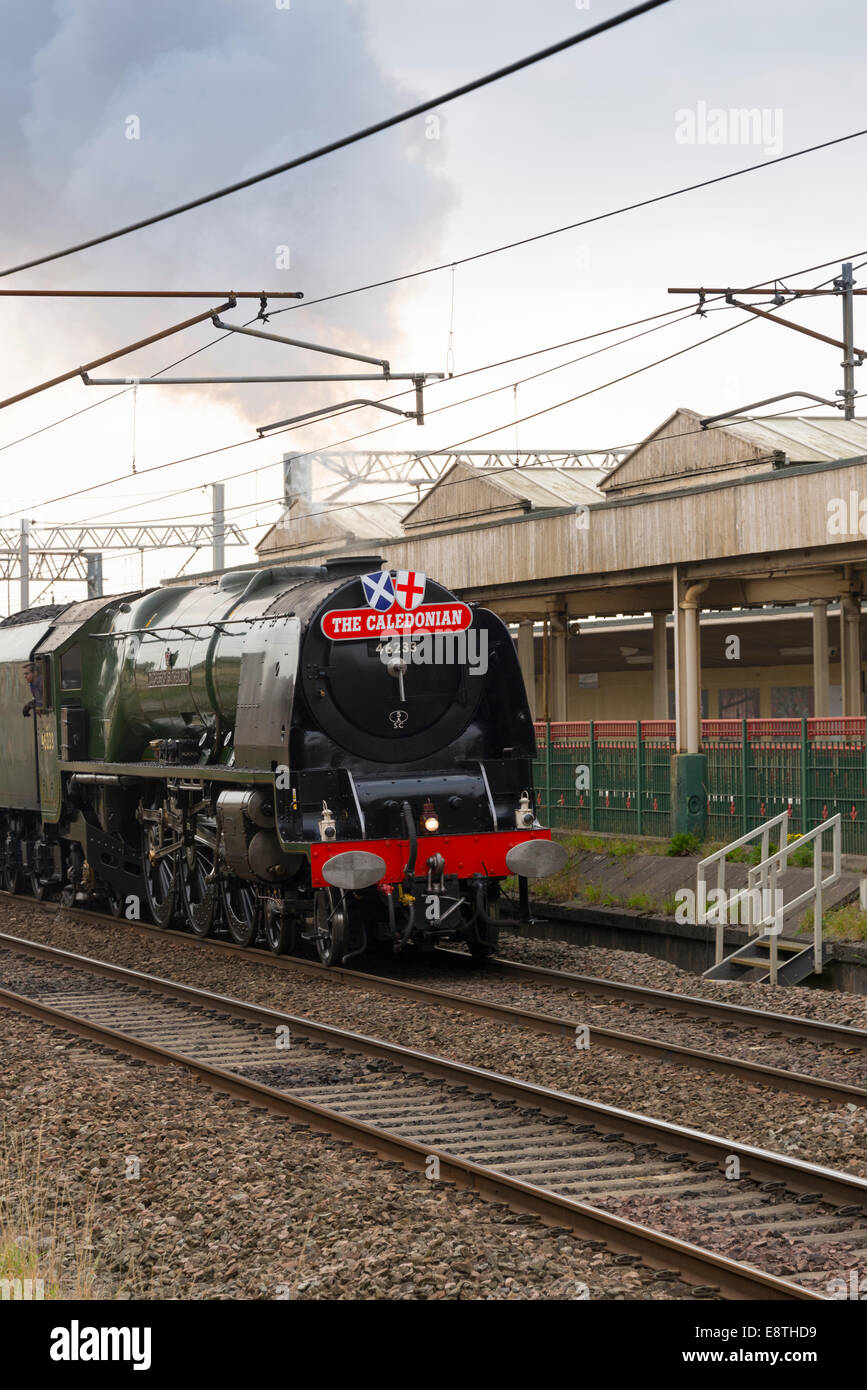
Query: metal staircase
{"points": [[752, 962], [768, 958]]}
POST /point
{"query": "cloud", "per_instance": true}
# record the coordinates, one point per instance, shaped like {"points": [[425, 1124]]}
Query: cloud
{"points": [[220, 89]]}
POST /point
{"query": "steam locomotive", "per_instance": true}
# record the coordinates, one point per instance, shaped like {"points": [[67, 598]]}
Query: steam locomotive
{"points": [[337, 754]]}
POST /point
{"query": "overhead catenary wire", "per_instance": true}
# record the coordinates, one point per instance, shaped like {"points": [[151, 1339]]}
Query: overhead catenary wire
{"points": [[436, 410], [491, 251], [493, 391], [483, 434], [171, 463], [519, 357], [558, 405], [544, 410], [584, 222], [365, 133], [522, 419], [409, 494]]}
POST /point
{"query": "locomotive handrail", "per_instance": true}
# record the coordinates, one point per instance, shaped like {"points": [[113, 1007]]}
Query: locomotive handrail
{"points": [[413, 839], [175, 627]]}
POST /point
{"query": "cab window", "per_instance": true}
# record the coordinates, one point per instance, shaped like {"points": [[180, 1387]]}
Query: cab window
{"points": [[70, 669], [43, 666]]}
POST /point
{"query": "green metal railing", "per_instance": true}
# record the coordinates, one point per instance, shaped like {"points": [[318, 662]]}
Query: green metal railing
{"points": [[615, 775]]}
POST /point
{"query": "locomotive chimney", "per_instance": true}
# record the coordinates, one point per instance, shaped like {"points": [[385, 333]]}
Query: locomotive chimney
{"points": [[353, 564]]}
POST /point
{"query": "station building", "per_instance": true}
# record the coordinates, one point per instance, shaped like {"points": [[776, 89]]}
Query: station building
{"points": [[713, 577]]}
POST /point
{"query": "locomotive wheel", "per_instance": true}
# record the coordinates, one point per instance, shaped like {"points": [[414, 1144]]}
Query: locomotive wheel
{"points": [[114, 901], [279, 927], [329, 925], [485, 936], [38, 887], [12, 880], [198, 891], [243, 910], [160, 877]]}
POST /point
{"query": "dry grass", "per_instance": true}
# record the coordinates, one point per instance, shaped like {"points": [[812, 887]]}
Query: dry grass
{"points": [[41, 1236], [571, 885], [568, 887], [845, 923]]}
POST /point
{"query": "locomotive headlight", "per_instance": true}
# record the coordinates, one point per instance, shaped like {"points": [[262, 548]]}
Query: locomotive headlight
{"points": [[430, 821], [327, 827], [525, 817]]}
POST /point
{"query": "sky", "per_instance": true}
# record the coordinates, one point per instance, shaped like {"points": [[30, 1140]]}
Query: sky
{"points": [[214, 90]]}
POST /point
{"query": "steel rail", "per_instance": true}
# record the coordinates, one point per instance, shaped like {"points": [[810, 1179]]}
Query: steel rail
{"points": [[797, 1174], [735, 1279], [778, 1078], [795, 1025]]}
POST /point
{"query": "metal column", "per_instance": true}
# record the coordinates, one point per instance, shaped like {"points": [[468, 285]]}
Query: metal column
{"points": [[94, 575], [850, 362], [688, 665], [660, 666], [559, 666], [25, 564], [850, 653], [527, 660], [218, 494], [821, 676]]}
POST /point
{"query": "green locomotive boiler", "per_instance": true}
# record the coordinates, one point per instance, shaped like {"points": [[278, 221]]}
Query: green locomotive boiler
{"points": [[264, 754]]}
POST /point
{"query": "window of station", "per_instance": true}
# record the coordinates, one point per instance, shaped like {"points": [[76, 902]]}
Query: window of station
{"points": [[739, 703], [792, 702], [70, 669]]}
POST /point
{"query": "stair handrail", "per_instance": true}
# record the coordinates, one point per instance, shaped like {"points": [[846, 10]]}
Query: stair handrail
{"points": [[772, 869], [719, 858]]}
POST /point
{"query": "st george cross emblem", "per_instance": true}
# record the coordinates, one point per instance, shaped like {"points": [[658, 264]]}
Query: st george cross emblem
{"points": [[409, 588], [378, 590]]}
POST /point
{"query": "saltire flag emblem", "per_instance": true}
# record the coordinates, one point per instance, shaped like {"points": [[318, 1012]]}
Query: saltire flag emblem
{"points": [[409, 588], [378, 590]]}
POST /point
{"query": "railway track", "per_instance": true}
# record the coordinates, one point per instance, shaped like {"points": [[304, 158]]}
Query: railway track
{"points": [[573, 1162], [471, 998], [684, 1005]]}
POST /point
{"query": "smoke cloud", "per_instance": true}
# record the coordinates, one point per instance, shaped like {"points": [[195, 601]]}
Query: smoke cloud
{"points": [[111, 112]]}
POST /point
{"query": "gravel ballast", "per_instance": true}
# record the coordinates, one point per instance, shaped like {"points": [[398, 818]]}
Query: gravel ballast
{"points": [[632, 967], [749, 1113], [233, 1202]]}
